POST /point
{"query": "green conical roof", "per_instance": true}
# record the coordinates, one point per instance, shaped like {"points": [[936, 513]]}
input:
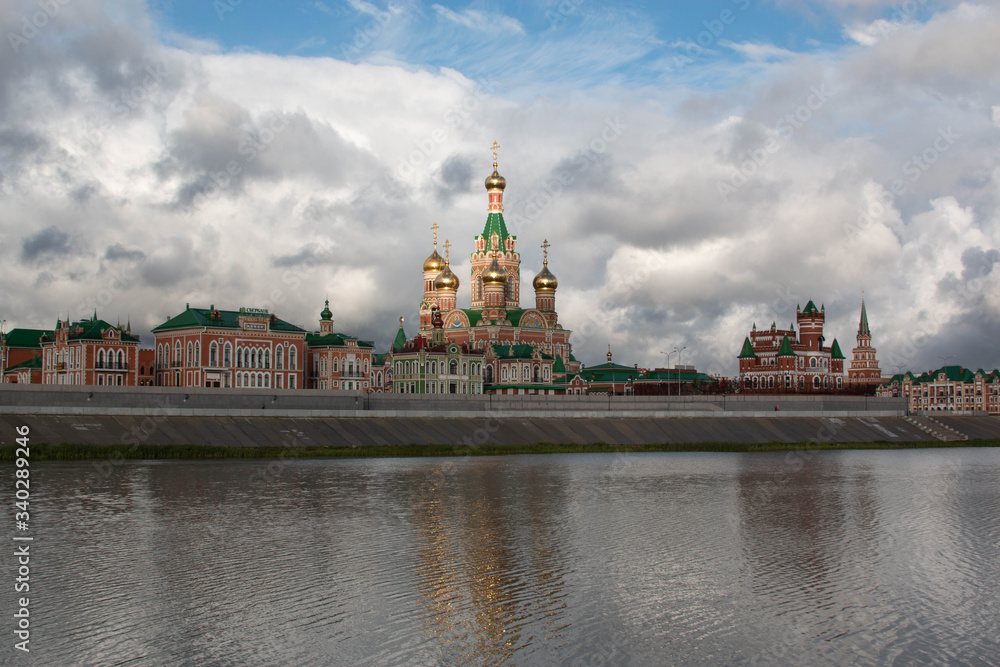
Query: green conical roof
{"points": [[747, 351], [400, 340], [786, 348], [559, 366], [863, 326], [495, 223], [835, 352], [810, 308]]}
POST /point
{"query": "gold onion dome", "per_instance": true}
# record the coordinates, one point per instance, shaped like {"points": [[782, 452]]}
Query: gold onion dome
{"points": [[434, 262], [495, 181], [495, 274], [545, 280], [446, 280]]}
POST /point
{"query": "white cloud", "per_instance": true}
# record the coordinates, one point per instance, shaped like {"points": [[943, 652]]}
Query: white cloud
{"points": [[757, 51], [477, 20]]}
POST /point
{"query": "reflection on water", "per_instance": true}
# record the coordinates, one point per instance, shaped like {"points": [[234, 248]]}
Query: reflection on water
{"points": [[819, 558]]}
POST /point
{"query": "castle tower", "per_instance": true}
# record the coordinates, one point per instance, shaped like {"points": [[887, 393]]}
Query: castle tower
{"points": [[864, 364], [446, 284], [433, 266], [545, 285], [810, 321], [326, 319], [495, 244]]}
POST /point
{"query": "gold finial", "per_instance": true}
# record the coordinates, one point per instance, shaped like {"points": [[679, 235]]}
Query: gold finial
{"points": [[400, 320], [447, 251], [545, 249], [609, 353], [496, 146], [435, 227]]}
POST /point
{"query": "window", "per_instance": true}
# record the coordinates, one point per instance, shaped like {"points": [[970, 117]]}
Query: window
{"points": [[453, 367], [227, 351], [190, 354], [177, 353], [267, 358], [213, 354], [279, 357], [291, 361], [197, 353], [336, 365]]}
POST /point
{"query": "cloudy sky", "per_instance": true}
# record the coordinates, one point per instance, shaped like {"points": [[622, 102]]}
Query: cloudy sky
{"points": [[698, 167]]}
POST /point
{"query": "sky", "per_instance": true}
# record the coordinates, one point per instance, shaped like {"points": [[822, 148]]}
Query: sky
{"points": [[698, 167]]}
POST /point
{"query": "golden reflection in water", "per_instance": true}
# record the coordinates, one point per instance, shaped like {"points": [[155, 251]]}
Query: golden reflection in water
{"points": [[488, 559]]}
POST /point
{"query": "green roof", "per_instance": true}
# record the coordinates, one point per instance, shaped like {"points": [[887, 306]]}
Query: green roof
{"points": [[835, 352], [25, 337], [952, 373], [228, 319], [609, 372], [495, 223], [94, 329], [747, 351], [473, 315], [786, 347], [34, 362], [811, 308], [520, 351], [400, 341], [559, 366], [675, 374], [863, 326], [379, 359], [334, 340]]}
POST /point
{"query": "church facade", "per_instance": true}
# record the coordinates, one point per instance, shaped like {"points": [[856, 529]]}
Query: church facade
{"points": [[496, 323]]}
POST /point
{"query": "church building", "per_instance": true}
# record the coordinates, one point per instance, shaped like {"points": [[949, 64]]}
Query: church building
{"points": [[496, 318]]}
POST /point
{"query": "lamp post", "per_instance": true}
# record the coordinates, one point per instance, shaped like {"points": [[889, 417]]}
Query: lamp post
{"points": [[668, 368], [677, 371]]}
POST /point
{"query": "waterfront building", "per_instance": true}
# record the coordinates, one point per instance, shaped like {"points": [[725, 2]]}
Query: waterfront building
{"points": [[147, 372], [781, 359], [495, 316], [434, 365], [674, 381], [864, 369], [610, 378], [19, 348], [947, 389], [209, 347], [90, 352], [337, 360]]}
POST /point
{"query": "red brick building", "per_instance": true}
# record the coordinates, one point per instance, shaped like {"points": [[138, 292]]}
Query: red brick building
{"points": [[779, 359], [864, 370], [90, 352], [208, 347], [21, 355], [336, 360]]}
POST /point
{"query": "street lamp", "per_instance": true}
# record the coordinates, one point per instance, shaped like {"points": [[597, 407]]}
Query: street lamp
{"points": [[678, 373], [668, 368], [945, 359]]}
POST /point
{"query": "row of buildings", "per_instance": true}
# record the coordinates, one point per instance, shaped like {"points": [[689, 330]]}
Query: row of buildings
{"points": [[496, 345]]}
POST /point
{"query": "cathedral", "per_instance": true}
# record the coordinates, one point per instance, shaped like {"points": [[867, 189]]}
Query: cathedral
{"points": [[496, 318]]}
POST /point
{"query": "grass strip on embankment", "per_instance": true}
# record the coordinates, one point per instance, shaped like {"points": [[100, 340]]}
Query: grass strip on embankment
{"points": [[41, 451]]}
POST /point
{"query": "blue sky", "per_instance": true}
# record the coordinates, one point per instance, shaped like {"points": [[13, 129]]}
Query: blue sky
{"points": [[158, 153]]}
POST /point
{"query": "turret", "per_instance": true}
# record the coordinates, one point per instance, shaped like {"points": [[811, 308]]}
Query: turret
{"points": [[545, 284]]}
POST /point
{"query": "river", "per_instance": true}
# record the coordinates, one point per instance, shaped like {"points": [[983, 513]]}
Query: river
{"points": [[825, 558]]}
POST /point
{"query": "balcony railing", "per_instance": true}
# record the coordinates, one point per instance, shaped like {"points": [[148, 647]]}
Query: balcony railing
{"points": [[110, 366]]}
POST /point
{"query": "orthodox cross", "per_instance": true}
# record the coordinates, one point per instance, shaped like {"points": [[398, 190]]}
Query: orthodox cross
{"points": [[496, 146], [447, 251], [435, 227], [545, 249]]}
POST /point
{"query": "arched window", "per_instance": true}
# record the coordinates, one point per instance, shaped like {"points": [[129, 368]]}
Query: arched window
{"points": [[197, 353], [190, 356], [479, 286], [267, 358], [279, 357], [453, 367], [503, 373], [100, 358], [815, 382], [227, 352], [159, 356], [770, 381], [812, 363], [336, 365], [366, 366], [213, 354], [177, 353], [489, 374], [536, 377], [291, 358], [267, 380]]}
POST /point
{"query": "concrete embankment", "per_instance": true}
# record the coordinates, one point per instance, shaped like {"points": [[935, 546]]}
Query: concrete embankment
{"points": [[168, 416]]}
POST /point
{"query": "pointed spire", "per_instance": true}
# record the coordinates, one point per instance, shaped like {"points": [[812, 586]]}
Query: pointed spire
{"points": [[747, 351], [863, 329], [400, 340]]}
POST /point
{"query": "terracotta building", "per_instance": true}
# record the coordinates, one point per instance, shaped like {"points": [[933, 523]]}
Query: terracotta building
{"points": [[864, 368], [337, 360], [780, 359], [90, 352], [208, 347], [948, 389]]}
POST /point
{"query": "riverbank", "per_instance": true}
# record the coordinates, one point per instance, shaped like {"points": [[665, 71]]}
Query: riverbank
{"points": [[79, 452]]}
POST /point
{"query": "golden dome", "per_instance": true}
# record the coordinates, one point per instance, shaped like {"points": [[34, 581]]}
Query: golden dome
{"points": [[446, 280], [545, 280], [495, 274], [495, 180], [434, 262]]}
